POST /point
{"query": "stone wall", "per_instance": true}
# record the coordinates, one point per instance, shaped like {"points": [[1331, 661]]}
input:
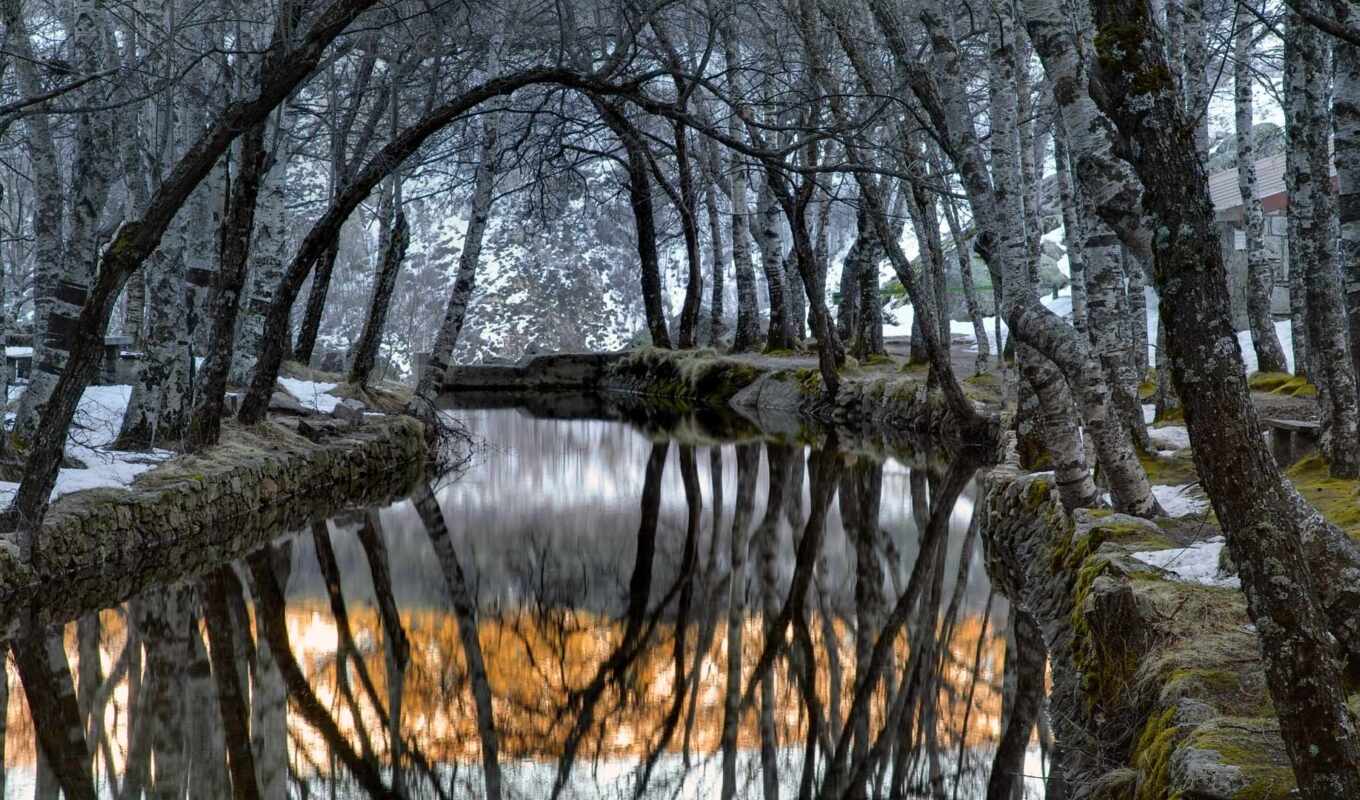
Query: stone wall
{"points": [[197, 511], [1158, 690]]}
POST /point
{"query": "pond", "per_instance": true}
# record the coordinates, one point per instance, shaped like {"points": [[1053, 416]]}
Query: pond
{"points": [[665, 605]]}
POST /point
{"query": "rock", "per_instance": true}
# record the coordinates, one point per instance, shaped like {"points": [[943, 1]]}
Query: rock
{"points": [[1202, 773], [769, 392], [1053, 250], [350, 410], [284, 403]]}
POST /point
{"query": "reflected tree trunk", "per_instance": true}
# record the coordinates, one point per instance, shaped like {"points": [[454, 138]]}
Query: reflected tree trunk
{"points": [[748, 467], [40, 656], [272, 684], [465, 607], [232, 702]]}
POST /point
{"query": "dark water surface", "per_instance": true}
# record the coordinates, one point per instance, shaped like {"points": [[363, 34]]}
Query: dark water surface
{"points": [[617, 648]]}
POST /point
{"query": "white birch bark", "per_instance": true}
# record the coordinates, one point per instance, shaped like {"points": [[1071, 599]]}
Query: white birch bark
{"points": [[269, 253]]}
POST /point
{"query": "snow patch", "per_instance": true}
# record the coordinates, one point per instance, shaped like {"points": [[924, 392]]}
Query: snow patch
{"points": [[1180, 501], [99, 415], [312, 394], [1170, 437], [1197, 563]]}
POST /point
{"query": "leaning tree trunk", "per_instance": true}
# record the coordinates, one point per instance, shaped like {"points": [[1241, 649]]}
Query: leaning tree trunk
{"points": [[461, 593], [441, 356], [205, 425], [1265, 520], [1346, 121], [40, 656], [370, 341], [268, 253], [281, 71], [1260, 275]]}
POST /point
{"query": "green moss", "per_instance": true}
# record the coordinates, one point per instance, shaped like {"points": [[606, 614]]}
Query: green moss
{"points": [[1282, 383], [1152, 755], [1336, 498], [876, 359], [1252, 745], [1176, 414], [1170, 470], [809, 380]]}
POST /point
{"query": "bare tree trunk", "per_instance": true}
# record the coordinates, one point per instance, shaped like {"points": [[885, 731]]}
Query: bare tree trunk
{"points": [[1267, 524], [91, 176], [206, 423], [1346, 122], [868, 251], [49, 207], [717, 325], [40, 656], [1074, 238], [964, 255], [231, 693], [748, 312], [441, 356], [269, 697], [396, 647], [1307, 126], [1029, 658], [370, 341], [779, 335], [268, 251], [1260, 275], [689, 224]]}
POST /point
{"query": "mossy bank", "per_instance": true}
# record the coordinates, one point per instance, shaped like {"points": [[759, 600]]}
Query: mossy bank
{"points": [[881, 396]]}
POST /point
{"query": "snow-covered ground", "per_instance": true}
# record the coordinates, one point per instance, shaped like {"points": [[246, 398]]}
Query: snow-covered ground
{"points": [[99, 415], [311, 394], [1197, 563]]}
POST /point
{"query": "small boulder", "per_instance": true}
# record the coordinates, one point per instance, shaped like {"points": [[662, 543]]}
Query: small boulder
{"points": [[349, 410], [284, 403]]}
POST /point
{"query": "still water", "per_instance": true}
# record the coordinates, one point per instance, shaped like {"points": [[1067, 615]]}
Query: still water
{"points": [[665, 607]]}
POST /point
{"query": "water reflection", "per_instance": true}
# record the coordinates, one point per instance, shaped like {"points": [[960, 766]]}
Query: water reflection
{"points": [[597, 608]]}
